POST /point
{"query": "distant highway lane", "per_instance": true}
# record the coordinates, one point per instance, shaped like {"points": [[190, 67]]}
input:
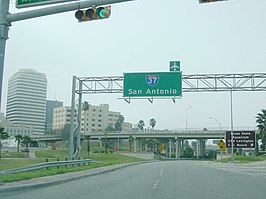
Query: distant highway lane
{"points": [[156, 180]]}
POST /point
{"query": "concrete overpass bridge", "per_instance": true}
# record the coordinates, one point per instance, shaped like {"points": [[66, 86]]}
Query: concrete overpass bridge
{"points": [[173, 141]]}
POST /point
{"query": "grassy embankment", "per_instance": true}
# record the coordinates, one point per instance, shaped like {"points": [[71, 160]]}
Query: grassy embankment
{"points": [[106, 159], [244, 159]]}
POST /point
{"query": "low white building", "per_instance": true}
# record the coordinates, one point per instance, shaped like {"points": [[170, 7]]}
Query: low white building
{"points": [[95, 119], [16, 129], [126, 127], [61, 117]]}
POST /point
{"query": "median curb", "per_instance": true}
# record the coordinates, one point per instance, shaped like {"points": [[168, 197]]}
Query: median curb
{"points": [[61, 178]]}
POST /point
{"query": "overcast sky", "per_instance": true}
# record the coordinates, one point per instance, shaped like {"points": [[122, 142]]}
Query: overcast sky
{"points": [[143, 36]]}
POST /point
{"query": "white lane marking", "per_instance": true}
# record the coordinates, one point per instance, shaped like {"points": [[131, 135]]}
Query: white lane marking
{"points": [[161, 173], [158, 180]]}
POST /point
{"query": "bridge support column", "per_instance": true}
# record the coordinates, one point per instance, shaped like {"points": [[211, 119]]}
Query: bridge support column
{"points": [[177, 148], [198, 148], [135, 145], [182, 148], [146, 146], [170, 148], [140, 145], [101, 143], [201, 148]]}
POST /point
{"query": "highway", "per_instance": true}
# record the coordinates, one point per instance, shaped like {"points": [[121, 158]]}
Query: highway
{"points": [[159, 180]]}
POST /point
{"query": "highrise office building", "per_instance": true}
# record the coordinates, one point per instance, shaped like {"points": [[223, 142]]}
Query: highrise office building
{"points": [[26, 99], [50, 106]]}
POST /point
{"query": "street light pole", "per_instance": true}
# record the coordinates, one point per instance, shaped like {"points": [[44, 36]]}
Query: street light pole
{"points": [[186, 114], [232, 126], [220, 132], [219, 125]]}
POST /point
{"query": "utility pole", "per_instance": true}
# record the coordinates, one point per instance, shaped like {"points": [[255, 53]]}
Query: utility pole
{"points": [[4, 27]]}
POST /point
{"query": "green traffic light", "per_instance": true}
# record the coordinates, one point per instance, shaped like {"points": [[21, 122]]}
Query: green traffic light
{"points": [[101, 12]]}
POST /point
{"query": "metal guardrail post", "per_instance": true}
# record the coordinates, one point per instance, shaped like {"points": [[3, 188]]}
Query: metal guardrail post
{"points": [[46, 165]]}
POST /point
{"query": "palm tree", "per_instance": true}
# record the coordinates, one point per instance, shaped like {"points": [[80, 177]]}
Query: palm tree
{"points": [[18, 139], [3, 136], [85, 108], [152, 123], [141, 125], [26, 140], [261, 124]]}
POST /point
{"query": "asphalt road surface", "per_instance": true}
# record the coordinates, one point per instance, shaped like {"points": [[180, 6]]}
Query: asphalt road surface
{"points": [[158, 180]]}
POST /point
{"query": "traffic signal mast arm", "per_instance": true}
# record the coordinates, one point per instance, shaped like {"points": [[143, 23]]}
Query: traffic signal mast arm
{"points": [[210, 1], [59, 9]]}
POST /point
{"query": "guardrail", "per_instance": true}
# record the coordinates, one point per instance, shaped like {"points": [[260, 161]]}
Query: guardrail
{"points": [[47, 165]]}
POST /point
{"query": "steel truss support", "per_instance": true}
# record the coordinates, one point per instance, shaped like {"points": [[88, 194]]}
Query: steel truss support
{"points": [[190, 83]]}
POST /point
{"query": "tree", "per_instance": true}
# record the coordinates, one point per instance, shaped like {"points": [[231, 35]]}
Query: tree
{"points": [[119, 122], [110, 128], [261, 124], [188, 152], [18, 139], [65, 132], [141, 125], [3, 135], [194, 144], [26, 140], [85, 108], [152, 123]]}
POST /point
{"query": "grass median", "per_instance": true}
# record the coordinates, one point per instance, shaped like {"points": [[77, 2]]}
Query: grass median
{"points": [[244, 159], [105, 159]]}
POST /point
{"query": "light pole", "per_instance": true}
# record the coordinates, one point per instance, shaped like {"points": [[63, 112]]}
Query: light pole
{"points": [[219, 125], [186, 114], [220, 132]]}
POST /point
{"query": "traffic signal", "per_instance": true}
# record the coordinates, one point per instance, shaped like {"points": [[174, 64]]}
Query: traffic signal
{"points": [[209, 1], [93, 13]]}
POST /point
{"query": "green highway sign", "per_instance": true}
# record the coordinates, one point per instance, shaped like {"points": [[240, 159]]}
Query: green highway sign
{"points": [[30, 3], [174, 65], [152, 84]]}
